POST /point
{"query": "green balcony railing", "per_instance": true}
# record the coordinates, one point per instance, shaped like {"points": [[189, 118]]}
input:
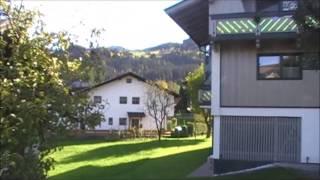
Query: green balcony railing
{"points": [[248, 25]]}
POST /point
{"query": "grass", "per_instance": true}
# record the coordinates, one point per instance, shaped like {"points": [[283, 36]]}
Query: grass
{"points": [[141, 159]]}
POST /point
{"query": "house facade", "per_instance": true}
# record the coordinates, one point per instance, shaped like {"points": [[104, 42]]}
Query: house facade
{"points": [[122, 100], [265, 87]]}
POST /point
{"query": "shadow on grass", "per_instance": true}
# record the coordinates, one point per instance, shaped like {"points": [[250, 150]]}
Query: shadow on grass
{"points": [[168, 167], [72, 142], [127, 149]]}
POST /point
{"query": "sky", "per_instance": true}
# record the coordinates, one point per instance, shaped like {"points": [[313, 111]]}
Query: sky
{"points": [[130, 24]]}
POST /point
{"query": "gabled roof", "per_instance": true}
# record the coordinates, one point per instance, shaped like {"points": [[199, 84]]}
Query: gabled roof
{"points": [[193, 17], [118, 78], [125, 75]]}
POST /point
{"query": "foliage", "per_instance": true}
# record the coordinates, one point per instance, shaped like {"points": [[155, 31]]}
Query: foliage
{"points": [[88, 114], [158, 104], [172, 123], [165, 62], [194, 81], [183, 104], [35, 102], [307, 17], [308, 14]]}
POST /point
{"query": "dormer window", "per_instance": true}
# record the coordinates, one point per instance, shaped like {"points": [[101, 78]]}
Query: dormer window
{"points": [[129, 80]]}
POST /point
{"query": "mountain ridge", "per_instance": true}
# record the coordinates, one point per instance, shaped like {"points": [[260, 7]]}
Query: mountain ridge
{"points": [[167, 61]]}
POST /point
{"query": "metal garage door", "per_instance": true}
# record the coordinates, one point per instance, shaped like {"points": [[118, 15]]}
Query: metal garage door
{"points": [[260, 138]]}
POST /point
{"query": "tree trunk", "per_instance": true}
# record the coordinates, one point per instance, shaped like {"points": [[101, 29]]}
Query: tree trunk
{"points": [[207, 120], [159, 135], [208, 130]]}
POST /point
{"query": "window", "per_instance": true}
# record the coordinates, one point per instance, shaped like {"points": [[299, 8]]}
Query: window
{"points": [[289, 5], [285, 66], [97, 99], [110, 121], [123, 100], [122, 121], [129, 80], [276, 5], [135, 100]]}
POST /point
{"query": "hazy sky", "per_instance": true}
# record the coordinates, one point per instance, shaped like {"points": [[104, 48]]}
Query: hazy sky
{"points": [[131, 24]]}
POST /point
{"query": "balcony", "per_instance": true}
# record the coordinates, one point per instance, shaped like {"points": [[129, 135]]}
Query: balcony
{"points": [[205, 96], [253, 26], [248, 28]]}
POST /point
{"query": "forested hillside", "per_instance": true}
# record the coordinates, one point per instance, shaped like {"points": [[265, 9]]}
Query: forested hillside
{"points": [[170, 61]]}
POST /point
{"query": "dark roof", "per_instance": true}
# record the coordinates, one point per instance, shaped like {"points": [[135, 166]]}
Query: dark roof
{"points": [[193, 17], [125, 75], [136, 114], [118, 78]]}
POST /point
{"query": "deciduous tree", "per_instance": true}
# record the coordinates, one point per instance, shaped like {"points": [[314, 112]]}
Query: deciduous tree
{"points": [[194, 81], [35, 102], [158, 104]]}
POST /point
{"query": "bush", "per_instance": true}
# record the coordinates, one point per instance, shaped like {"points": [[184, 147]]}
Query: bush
{"points": [[190, 129], [172, 123], [200, 128], [182, 131]]}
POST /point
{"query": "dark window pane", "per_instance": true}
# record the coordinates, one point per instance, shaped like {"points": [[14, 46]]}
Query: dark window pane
{"points": [[97, 99], [123, 121], [123, 100], [290, 67], [269, 67], [110, 122], [135, 100]]}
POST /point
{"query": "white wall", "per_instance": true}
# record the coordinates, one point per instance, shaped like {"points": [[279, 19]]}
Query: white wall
{"points": [[111, 93]]}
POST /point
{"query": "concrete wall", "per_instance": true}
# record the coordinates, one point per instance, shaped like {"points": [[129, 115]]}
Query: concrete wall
{"points": [[111, 93], [240, 87]]}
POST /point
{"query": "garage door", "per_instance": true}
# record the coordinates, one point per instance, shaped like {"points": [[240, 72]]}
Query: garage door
{"points": [[260, 138]]}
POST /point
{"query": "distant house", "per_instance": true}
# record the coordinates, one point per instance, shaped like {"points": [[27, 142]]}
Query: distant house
{"points": [[265, 88], [123, 101]]}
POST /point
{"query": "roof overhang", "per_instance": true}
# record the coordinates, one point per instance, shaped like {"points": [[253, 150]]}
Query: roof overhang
{"points": [[136, 114], [193, 17]]}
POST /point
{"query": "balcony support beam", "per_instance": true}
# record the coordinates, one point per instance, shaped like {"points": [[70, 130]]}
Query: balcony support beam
{"points": [[215, 79]]}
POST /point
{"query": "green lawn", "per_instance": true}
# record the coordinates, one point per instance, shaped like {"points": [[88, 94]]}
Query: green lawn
{"points": [[140, 159]]}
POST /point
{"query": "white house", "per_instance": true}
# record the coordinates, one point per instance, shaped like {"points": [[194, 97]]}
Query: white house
{"points": [[264, 85], [123, 99]]}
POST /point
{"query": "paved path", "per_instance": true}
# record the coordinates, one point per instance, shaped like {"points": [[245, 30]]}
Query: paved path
{"points": [[312, 170], [203, 171]]}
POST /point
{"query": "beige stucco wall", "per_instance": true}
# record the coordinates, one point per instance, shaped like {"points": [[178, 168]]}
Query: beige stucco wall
{"points": [[240, 87]]}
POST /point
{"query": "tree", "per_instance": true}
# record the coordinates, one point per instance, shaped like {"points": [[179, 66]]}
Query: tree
{"points": [[194, 81], [158, 104], [307, 17], [89, 114], [35, 102], [308, 14]]}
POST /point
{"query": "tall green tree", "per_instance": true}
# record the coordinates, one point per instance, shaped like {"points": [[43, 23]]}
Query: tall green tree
{"points": [[194, 81], [35, 102]]}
